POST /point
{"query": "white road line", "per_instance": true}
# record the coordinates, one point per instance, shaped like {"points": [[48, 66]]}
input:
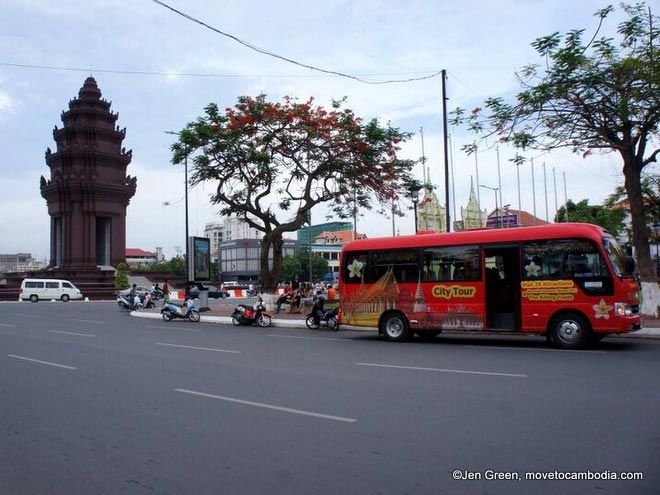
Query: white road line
{"points": [[200, 348], [26, 316], [532, 349], [6, 325], [73, 333], [268, 406], [466, 372], [309, 338], [86, 321], [171, 327], [42, 362]]}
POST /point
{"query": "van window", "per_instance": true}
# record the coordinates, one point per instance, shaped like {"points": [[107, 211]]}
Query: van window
{"points": [[67, 285], [34, 285], [52, 285]]}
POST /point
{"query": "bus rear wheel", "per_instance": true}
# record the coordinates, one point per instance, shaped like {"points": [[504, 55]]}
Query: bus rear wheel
{"points": [[570, 331], [395, 327]]}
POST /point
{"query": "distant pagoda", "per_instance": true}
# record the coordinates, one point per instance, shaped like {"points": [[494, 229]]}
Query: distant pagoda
{"points": [[88, 190]]}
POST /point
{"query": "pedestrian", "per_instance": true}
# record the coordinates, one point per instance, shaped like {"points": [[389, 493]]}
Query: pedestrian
{"points": [[332, 294], [295, 283], [166, 292], [285, 297]]}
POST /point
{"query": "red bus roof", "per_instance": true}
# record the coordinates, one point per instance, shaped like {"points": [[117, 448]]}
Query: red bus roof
{"points": [[484, 236]]}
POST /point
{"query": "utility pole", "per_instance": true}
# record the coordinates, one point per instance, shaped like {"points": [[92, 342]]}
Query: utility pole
{"points": [[565, 197], [554, 180], [545, 189], [445, 139], [533, 190]]}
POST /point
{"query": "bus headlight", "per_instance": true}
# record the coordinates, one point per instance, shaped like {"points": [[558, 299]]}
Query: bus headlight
{"points": [[622, 309]]}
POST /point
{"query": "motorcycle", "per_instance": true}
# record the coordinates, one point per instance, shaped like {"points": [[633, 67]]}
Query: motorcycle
{"points": [[320, 318], [188, 311], [147, 301], [251, 292], [247, 315], [130, 304]]}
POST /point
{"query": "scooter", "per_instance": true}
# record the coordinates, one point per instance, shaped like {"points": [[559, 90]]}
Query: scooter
{"points": [[251, 292], [125, 302], [319, 318], [186, 311], [248, 315]]}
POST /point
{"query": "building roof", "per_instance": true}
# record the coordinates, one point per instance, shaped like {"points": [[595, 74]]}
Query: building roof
{"points": [[339, 236], [526, 219], [139, 253]]}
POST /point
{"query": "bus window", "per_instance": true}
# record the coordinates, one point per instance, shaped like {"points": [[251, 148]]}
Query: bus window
{"points": [[402, 262], [354, 265], [451, 264], [562, 259]]}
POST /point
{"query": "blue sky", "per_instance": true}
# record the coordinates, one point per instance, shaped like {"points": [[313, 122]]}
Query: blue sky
{"points": [[479, 45]]}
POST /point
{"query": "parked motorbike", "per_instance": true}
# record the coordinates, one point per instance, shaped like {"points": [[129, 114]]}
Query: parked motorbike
{"points": [[321, 318], [130, 303], [187, 311], [147, 301], [251, 292], [247, 315]]}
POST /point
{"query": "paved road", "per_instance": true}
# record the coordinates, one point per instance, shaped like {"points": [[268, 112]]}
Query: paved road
{"points": [[94, 401]]}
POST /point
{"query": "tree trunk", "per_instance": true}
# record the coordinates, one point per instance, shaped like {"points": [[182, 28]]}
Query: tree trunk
{"points": [[270, 274], [633, 183]]}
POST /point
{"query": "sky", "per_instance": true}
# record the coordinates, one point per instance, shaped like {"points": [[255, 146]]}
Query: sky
{"points": [[479, 46]]}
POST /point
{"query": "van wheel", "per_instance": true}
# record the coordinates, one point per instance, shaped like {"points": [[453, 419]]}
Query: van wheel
{"points": [[65, 298], [34, 298], [395, 327], [570, 331]]}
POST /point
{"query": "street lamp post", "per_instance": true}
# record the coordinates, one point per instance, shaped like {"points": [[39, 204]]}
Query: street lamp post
{"points": [[414, 194], [185, 168], [497, 213]]}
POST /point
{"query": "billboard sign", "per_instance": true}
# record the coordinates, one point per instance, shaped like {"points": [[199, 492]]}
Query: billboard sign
{"points": [[199, 264]]}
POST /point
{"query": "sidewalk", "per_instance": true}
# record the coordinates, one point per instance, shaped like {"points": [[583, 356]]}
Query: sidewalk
{"points": [[221, 313]]}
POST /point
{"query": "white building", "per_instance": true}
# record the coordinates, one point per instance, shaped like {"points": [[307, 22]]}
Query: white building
{"points": [[226, 230]]}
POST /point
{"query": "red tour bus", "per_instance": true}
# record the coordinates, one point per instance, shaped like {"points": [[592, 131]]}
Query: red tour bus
{"points": [[569, 282]]}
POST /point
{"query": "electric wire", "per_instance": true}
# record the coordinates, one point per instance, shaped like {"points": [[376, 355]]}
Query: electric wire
{"points": [[286, 59]]}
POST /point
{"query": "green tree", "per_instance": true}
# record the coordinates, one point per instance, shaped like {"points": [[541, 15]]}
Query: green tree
{"points": [[273, 162], [121, 276], [175, 266], [611, 219], [587, 96], [299, 265]]}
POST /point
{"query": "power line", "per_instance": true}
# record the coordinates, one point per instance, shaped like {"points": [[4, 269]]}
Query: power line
{"points": [[286, 59], [176, 74]]}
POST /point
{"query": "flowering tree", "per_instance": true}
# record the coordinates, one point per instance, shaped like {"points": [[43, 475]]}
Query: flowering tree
{"points": [[274, 161], [587, 97]]}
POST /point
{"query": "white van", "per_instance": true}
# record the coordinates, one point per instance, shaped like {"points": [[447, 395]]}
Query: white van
{"points": [[33, 289]]}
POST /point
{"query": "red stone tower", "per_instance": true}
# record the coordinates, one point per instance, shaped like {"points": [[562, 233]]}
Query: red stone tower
{"points": [[88, 190]]}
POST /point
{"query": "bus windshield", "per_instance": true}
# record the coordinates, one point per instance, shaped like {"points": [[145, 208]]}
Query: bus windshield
{"points": [[615, 254]]}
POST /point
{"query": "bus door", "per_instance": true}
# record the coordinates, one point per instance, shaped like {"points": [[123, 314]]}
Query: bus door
{"points": [[502, 279]]}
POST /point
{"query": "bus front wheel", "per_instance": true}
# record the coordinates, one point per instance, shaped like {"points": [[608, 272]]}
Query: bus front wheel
{"points": [[570, 331], [395, 327]]}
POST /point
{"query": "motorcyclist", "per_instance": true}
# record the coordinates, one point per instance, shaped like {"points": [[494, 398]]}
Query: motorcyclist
{"points": [[318, 310]]}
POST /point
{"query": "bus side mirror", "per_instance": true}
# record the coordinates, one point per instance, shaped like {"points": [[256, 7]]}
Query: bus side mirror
{"points": [[629, 265]]}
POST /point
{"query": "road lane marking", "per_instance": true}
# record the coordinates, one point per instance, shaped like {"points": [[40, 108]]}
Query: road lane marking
{"points": [[73, 333], [26, 316], [172, 328], [466, 372], [268, 406], [532, 349], [308, 338], [86, 321], [6, 325], [42, 362], [200, 348]]}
